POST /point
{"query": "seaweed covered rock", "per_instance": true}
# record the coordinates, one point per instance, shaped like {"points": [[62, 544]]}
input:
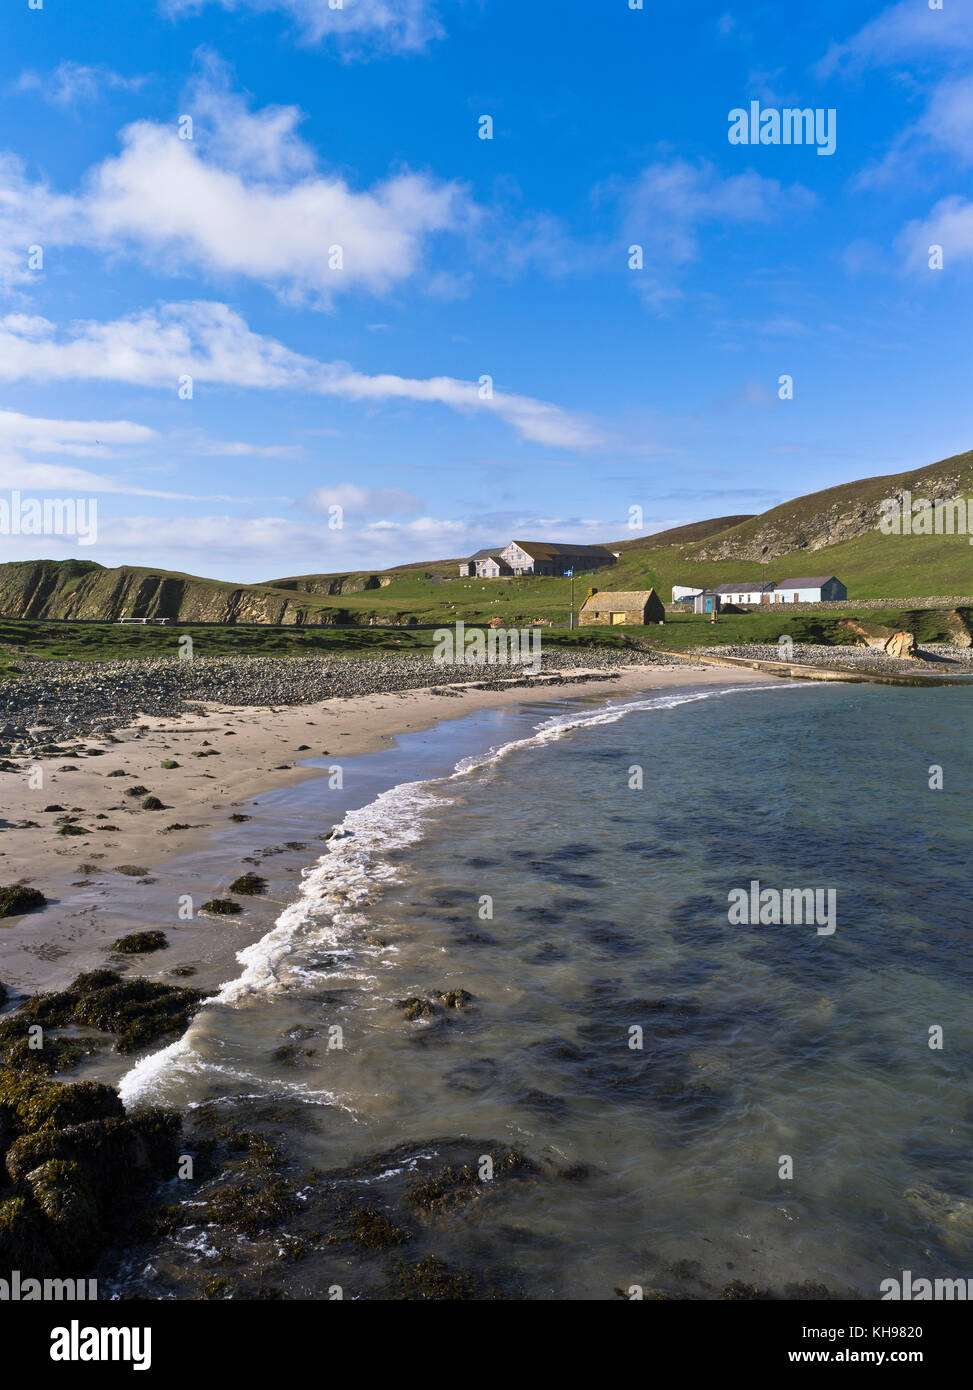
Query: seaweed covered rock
{"points": [[140, 942], [454, 998], [76, 1167], [249, 885], [416, 1008], [23, 1237], [137, 1011], [457, 1184], [68, 1206], [430, 1280], [221, 907], [35, 1102], [105, 1150], [17, 899]]}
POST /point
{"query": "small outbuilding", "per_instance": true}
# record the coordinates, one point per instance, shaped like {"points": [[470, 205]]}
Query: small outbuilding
{"points": [[628, 606], [707, 601]]}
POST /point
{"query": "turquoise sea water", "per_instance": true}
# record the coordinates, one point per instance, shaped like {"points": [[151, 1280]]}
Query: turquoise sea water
{"points": [[701, 1101]]}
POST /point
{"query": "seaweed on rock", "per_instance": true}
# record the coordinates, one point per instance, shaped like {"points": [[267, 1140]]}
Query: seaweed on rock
{"points": [[75, 1167]]}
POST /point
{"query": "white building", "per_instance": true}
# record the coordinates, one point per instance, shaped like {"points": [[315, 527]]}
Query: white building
{"points": [[680, 591], [745, 591], [822, 588]]}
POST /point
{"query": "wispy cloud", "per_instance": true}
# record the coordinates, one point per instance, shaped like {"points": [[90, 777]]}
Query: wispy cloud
{"points": [[84, 438], [214, 345], [358, 27], [945, 128], [904, 32], [70, 84], [670, 203], [32, 475], [362, 501]]}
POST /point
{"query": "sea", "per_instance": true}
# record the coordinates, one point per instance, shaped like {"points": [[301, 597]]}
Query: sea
{"points": [[519, 942]]}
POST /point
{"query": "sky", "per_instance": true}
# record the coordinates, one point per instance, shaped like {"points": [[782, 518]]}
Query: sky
{"points": [[299, 286]]}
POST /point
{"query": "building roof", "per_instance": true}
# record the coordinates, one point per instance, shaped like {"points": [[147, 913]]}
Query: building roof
{"points": [[744, 586], [487, 554], [538, 549], [625, 598], [813, 583]]}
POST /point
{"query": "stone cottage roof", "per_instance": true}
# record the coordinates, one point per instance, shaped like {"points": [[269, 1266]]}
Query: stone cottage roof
{"points": [[623, 598]]}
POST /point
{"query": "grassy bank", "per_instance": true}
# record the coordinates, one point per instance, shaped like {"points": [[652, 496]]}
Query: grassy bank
{"points": [[20, 640]]}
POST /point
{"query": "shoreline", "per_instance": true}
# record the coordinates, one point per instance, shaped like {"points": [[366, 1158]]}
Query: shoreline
{"points": [[90, 903]]}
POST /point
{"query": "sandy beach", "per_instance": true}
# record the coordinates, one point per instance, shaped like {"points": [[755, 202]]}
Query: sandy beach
{"points": [[247, 752]]}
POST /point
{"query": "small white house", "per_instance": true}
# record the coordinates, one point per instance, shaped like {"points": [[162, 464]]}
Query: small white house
{"points": [[680, 591], [822, 588]]}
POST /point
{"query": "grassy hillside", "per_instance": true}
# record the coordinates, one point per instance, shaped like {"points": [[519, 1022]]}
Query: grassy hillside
{"points": [[825, 519]]}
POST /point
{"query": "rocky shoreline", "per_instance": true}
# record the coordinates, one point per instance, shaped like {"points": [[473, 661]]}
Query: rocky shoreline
{"points": [[70, 697], [931, 658]]}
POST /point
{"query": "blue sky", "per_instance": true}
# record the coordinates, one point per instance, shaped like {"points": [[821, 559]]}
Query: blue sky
{"points": [[361, 386]]}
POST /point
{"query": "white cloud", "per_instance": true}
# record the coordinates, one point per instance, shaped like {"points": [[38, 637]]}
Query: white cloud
{"points": [[949, 225], [30, 215], [244, 197], [85, 438], [30, 475], [251, 549], [903, 33], [397, 26], [945, 127], [214, 345], [362, 501], [71, 82], [232, 448], [665, 208], [254, 549]]}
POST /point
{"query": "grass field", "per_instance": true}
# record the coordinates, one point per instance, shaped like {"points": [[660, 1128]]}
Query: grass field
{"points": [[113, 642], [21, 640]]}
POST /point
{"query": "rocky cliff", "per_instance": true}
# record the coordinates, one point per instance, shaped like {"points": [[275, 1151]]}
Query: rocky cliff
{"points": [[77, 589]]}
